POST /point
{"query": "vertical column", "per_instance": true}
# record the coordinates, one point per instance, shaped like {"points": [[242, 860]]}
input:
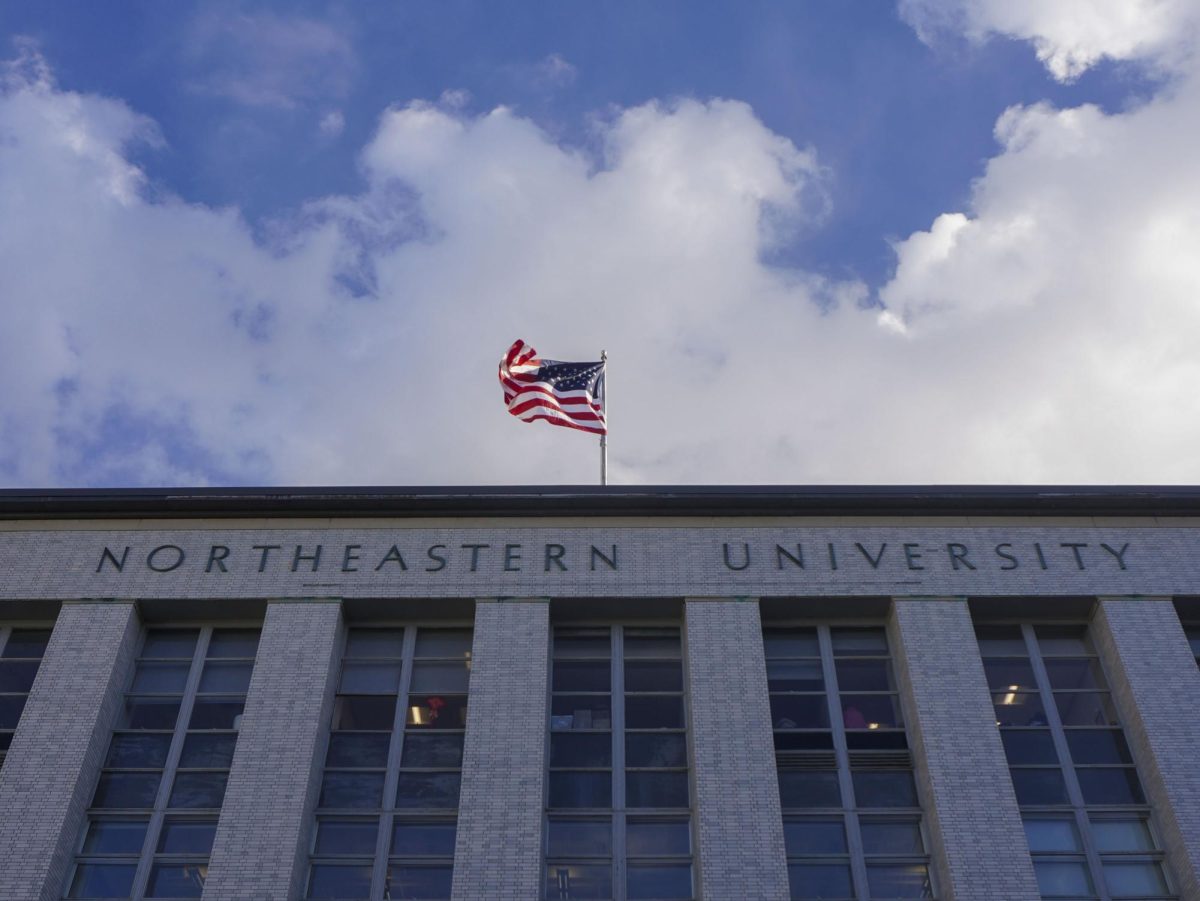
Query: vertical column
{"points": [[59, 746], [979, 848], [498, 850], [739, 819], [261, 844], [1156, 687]]}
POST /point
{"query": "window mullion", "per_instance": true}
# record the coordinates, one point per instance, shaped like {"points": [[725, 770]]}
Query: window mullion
{"points": [[837, 725], [174, 750], [391, 778], [1059, 737], [620, 866]]}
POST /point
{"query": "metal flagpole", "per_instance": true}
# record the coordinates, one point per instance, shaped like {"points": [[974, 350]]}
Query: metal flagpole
{"points": [[604, 437]]}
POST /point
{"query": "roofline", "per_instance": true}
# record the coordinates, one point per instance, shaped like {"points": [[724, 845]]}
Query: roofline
{"points": [[582, 500]]}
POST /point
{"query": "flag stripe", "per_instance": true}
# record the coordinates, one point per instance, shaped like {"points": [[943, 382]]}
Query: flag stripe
{"points": [[564, 394]]}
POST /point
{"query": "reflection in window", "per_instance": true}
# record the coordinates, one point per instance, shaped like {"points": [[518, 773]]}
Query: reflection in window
{"points": [[21, 653], [153, 816], [1193, 637], [1086, 819], [389, 793], [852, 821], [618, 765]]}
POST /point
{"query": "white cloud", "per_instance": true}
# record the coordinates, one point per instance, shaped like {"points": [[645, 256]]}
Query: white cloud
{"points": [[332, 124], [1070, 35]]}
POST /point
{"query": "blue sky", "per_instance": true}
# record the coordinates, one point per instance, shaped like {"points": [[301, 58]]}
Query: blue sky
{"points": [[824, 241]]}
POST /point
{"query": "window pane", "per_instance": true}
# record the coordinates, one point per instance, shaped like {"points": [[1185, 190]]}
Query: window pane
{"points": [[807, 741], [177, 880], [799, 712], [1024, 746], [656, 789], [444, 643], [809, 788], [892, 837], [143, 713], [364, 712], [795, 675], [584, 645], [659, 881], [1066, 673], [126, 790], [233, 643], [231, 678], [583, 749], [1134, 879], [1098, 746], [17, 676], [654, 712], [437, 711], [864, 675], [161, 678], [853, 642], [1066, 641], [579, 838], [370, 677], [208, 751], [10, 711], [1122, 835], [815, 837], [358, 749], [1052, 835], [375, 643], [571, 881], [656, 749], [1016, 709], [198, 790], [187, 837], [418, 882], [1085, 709], [899, 881], [791, 643], [871, 712], [428, 790], [449, 677], [580, 712], [1039, 786], [346, 837], [651, 645], [1010, 673], [819, 880], [1110, 786], [884, 789], [216, 714], [115, 837], [138, 751], [423, 839], [1062, 878], [655, 838], [646, 675], [342, 882], [434, 750], [26, 643], [352, 790], [574, 789], [579, 675], [94, 880], [175, 645], [999, 641]]}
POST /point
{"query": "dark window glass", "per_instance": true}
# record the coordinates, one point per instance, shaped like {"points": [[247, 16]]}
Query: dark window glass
{"points": [[1065, 641], [656, 789], [892, 837], [795, 675], [423, 839], [814, 836], [346, 882], [1122, 835], [1009, 674], [657, 838], [1134, 878], [1110, 785], [115, 837], [871, 712], [579, 675], [177, 880], [439, 677], [405, 881], [581, 749], [579, 838], [1062, 879], [899, 881], [809, 788], [133, 752], [1001, 641], [1025, 746], [198, 790], [161, 678], [208, 714], [804, 741], [1052, 835], [102, 880], [651, 645], [572, 881], [352, 790], [1085, 709], [820, 880], [654, 749], [799, 712], [454, 643], [364, 712], [1098, 746], [646, 675], [884, 789], [428, 790], [659, 881], [147, 713], [10, 711], [375, 643], [370, 677], [26, 643], [187, 837], [1017, 709], [208, 751], [349, 749], [17, 676], [851, 642], [126, 790], [437, 712], [575, 789], [654, 712], [580, 712], [1039, 786], [864, 675], [230, 678], [1067, 673], [346, 837], [598, 645], [436, 750], [791, 643], [233, 643], [170, 645]]}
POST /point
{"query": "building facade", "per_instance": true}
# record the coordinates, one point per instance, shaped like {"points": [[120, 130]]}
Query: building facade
{"points": [[661, 693]]}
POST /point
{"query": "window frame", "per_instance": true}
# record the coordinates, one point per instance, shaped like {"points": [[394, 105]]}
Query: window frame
{"points": [[6, 631]]}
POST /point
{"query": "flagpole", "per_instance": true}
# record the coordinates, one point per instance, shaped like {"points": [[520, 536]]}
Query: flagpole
{"points": [[604, 437]]}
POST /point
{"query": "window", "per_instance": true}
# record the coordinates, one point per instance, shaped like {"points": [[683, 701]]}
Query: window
{"points": [[852, 822], [21, 653], [1193, 637], [389, 796], [150, 828], [1086, 818], [618, 820]]}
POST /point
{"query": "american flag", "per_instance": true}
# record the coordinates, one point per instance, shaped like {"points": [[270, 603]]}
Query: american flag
{"points": [[566, 394]]}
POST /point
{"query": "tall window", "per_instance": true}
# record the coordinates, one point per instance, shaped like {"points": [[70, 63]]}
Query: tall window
{"points": [[618, 823], [389, 798], [21, 653], [153, 817], [852, 822], [1086, 818], [1193, 637]]}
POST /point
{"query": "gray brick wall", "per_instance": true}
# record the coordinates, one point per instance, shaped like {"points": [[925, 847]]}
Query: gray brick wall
{"points": [[739, 824], [1156, 687], [59, 747], [978, 843], [498, 851], [261, 846]]}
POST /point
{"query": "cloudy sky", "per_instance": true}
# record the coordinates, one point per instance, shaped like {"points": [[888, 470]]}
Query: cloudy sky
{"points": [[922, 241]]}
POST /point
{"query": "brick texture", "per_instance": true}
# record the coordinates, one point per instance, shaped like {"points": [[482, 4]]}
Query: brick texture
{"points": [[1156, 687], [59, 746], [261, 846], [979, 849], [498, 852], [739, 822]]}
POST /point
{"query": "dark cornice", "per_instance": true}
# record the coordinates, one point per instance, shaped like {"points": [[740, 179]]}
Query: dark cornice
{"points": [[574, 500]]}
